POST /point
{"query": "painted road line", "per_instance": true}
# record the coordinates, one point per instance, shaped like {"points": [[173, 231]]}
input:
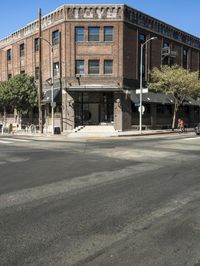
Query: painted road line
{"points": [[14, 139], [195, 138], [5, 141]]}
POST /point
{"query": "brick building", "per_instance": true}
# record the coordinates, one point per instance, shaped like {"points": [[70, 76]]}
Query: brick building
{"points": [[96, 55]]}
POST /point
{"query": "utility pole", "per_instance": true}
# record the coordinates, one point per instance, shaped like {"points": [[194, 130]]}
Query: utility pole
{"points": [[40, 73], [60, 78]]}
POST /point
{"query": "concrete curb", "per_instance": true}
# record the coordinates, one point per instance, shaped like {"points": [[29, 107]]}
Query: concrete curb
{"points": [[155, 133]]}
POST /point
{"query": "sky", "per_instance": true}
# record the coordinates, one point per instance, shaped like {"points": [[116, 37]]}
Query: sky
{"points": [[183, 14]]}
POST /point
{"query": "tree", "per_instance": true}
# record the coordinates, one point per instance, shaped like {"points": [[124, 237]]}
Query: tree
{"points": [[175, 81], [5, 97], [23, 93], [18, 93]]}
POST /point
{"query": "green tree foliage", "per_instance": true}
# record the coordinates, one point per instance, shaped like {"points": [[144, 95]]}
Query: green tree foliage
{"points": [[175, 81], [5, 95], [19, 92]]}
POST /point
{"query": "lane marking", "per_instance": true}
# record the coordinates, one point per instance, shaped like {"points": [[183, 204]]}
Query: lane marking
{"points": [[5, 141], [14, 139], [195, 138], [36, 193]]}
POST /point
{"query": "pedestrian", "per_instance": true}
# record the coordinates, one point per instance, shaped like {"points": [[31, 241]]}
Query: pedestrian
{"points": [[182, 126]]}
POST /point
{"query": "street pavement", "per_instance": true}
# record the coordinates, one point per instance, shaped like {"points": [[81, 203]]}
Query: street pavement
{"points": [[113, 201]]}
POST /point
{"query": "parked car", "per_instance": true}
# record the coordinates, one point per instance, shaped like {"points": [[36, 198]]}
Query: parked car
{"points": [[197, 129]]}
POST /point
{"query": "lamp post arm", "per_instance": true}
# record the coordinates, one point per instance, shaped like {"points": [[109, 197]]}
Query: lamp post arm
{"points": [[46, 41]]}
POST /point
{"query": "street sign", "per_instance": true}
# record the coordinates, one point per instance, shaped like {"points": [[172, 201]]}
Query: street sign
{"points": [[144, 90], [143, 109]]}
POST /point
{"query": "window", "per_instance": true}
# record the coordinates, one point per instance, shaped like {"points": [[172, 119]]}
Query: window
{"points": [[22, 72], [79, 34], [56, 69], [9, 54], [37, 44], [185, 58], [142, 37], [165, 44], [9, 76], [141, 40], [108, 34], [21, 49], [37, 73], [93, 66], [55, 37], [79, 67], [108, 66], [93, 35]]}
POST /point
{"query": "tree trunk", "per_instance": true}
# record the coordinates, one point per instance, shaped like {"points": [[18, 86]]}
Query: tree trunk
{"points": [[4, 117], [174, 115], [174, 119]]}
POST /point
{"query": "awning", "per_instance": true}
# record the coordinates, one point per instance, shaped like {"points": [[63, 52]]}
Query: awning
{"points": [[160, 98], [47, 95], [94, 88]]}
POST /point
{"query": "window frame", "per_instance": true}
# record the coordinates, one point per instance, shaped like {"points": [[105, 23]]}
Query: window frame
{"points": [[78, 68], [76, 35], [9, 55], [55, 40], [37, 72], [89, 66], [108, 27], [89, 34], [56, 70], [36, 45], [22, 51], [104, 67]]}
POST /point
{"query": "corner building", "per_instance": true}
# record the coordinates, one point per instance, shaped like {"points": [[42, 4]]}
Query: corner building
{"points": [[96, 58]]}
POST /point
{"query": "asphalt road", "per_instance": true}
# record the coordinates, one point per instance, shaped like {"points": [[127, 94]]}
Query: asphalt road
{"points": [[118, 201]]}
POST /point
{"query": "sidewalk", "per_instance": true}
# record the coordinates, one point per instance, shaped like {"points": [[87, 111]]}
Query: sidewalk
{"points": [[85, 135]]}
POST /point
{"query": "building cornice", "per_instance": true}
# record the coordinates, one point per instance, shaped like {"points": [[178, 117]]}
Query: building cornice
{"points": [[107, 12]]}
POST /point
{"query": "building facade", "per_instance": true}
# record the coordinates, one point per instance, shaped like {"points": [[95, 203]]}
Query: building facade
{"points": [[96, 57]]}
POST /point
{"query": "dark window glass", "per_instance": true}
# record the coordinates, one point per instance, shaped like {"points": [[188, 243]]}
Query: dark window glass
{"points": [[56, 69], [93, 35], [79, 67], [9, 54], [165, 44], [36, 44], [108, 34], [93, 66], [21, 49], [55, 37], [37, 73], [108, 66], [9, 76], [79, 34], [142, 37], [185, 58]]}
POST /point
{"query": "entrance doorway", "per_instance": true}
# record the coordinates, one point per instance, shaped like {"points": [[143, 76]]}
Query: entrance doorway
{"points": [[92, 108]]}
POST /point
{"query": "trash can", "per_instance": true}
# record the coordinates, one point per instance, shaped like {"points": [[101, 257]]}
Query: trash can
{"points": [[57, 130]]}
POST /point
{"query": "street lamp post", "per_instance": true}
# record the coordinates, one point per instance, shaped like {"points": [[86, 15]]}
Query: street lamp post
{"points": [[52, 84], [141, 66]]}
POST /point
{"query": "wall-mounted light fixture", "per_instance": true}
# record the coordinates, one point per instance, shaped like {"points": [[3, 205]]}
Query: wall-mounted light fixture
{"points": [[118, 102], [71, 102]]}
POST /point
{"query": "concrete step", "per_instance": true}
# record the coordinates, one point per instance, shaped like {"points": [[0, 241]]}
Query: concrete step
{"points": [[99, 128]]}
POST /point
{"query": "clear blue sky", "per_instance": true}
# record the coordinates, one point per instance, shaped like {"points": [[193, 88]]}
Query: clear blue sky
{"points": [[182, 14]]}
